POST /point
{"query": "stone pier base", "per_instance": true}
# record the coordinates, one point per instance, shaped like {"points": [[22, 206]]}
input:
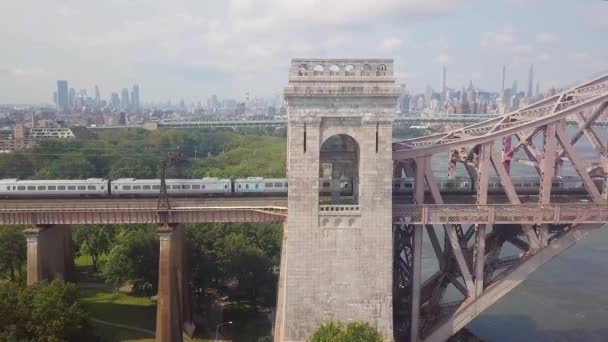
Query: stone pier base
{"points": [[173, 310], [50, 253]]}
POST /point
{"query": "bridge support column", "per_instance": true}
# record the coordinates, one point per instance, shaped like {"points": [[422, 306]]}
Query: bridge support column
{"points": [[173, 312], [50, 253]]}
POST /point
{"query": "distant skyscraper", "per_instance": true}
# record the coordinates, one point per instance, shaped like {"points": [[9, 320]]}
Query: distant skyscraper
{"points": [[443, 80], [72, 98], [135, 98], [514, 87], [63, 95], [504, 72], [530, 81], [124, 100], [115, 100], [55, 98], [97, 98]]}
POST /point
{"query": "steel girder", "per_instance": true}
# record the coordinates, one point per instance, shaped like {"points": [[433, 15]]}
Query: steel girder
{"points": [[478, 270]]}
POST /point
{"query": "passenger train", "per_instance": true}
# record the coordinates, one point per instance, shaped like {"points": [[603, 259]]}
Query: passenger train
{"points": [[256, 186]]}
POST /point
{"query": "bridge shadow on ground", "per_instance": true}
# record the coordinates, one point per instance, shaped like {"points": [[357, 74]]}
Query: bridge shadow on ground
{"points": [[522, 329]]}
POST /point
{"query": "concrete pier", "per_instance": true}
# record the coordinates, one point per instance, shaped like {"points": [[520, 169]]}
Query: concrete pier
{"points": [[50, 253], [173, 311]]}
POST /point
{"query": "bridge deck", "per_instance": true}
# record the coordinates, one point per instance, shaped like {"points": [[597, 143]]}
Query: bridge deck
{"points": [[274, 210]]}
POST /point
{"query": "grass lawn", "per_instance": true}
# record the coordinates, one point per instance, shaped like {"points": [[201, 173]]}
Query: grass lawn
{"points": [[120, 308]]}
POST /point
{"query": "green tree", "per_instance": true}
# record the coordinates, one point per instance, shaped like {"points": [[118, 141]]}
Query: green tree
{"points": [[12, 251], [134, 258], [42, 312], [94, 240], [15, 165], [351, 332], [131, 168], [70, 167]]}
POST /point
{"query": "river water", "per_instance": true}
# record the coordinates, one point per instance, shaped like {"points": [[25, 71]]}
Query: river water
{"points": [[565, 300]]}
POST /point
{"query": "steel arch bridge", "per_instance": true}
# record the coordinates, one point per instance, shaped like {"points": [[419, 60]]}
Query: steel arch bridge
{"points": [[469, 257]]}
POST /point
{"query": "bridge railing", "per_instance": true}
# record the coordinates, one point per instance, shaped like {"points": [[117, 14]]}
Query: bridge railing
{"points": [[501, 214]]}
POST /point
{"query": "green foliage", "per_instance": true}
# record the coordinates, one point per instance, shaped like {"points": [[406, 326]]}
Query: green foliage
{"points": [[94, 240], [248, 253], [42, 312], [137, 153], [134, 258], [15, 165], [12, 251], [351, 332]]}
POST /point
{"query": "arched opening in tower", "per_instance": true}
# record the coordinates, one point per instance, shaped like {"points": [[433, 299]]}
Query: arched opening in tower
{"points": [[339, 171]]}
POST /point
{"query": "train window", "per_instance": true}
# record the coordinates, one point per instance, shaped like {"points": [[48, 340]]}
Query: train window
{"points": [[408, 185], [175, 187], [52, 188], [126, 187], [326, 184], [256, 186], [225, 186], [202, 186], [269, 185], [185, 186], [61, 187], [537, 185], [82, 187], [396, 185], [102, 187], [239, 186], [278, 185], [41, 187], [29, 187], [555, 184], [136, 187], [155, 187], [286, 184], [196, 186], [147, 187], [91, 187], [21, 187], [246, 186], [527, 185]]}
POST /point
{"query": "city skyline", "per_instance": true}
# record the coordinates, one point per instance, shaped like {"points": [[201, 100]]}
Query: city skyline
{"points": [[228, 48]]}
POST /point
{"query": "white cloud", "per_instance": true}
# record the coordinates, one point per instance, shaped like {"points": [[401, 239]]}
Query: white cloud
{"points": [[546, 37], [504, 42], [391, 43], [581, 57], [442, 59]]}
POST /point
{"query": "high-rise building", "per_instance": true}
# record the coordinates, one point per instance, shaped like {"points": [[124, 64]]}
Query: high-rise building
{"points": [[124, 99], [63, 95], [514, 87], [72, 98], [135, 98], [115, 100], [97, 98], [504, 72], [443, 80], [55, 98], [530, 81]]}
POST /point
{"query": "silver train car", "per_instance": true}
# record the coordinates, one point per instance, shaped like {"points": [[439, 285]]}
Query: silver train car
{"points": [[131, 187], [92, 187]]}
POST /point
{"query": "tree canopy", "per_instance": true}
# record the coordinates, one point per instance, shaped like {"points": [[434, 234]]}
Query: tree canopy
{"points": [[351, 332], [12, 251], [42, 312]]}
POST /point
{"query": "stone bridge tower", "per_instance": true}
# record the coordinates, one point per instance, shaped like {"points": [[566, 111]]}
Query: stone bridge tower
{"points": [[337, 254]]}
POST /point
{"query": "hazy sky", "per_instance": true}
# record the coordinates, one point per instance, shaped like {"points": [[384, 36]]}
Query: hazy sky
{"points": [[194, 48]]}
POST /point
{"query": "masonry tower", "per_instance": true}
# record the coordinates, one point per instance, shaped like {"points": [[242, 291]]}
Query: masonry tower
{"points": [[337, 253]]}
